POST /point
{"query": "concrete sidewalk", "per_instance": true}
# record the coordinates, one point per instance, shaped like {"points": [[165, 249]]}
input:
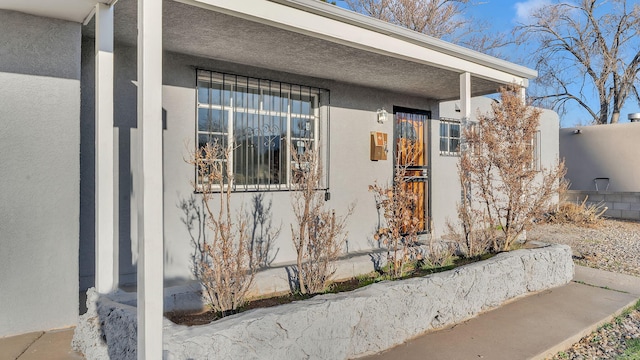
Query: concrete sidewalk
{"points": [[532, 327], [50, 345]]}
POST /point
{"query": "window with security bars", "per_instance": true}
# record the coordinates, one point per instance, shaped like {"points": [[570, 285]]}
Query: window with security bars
{"points": [[449, 137], [262, 122]]}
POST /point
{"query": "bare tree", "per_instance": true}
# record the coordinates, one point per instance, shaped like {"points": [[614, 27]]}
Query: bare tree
{"points": [[318, 234], [379, 9], [226, 265], [585, 48], [442, 19], [437, 18], [505, 189]]}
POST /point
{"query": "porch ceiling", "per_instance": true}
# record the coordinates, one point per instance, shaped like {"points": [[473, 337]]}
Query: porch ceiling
{"points": [[201, 32]]}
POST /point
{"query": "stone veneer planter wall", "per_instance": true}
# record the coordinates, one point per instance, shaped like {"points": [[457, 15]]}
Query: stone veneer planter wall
{"points": [[335, 326]]}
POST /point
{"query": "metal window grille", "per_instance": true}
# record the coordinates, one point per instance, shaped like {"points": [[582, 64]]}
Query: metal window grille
{"points": [[262, 121]]}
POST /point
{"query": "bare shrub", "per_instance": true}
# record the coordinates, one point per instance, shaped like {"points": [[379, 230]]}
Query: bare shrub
{"points": [[441, 253], [473, 236], [399, 234], [318, 234], [225, 265], [579, 213], [504, 191]]}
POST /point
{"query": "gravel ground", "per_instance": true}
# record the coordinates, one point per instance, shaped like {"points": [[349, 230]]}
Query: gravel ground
{"points": [[614, 245]]}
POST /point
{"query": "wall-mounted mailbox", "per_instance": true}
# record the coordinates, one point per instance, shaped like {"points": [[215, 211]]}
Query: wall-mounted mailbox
{"points": [[378, 146]]}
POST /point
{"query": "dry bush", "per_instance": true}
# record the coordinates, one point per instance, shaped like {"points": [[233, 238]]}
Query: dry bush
{"points": [[579, 213], [397, 201], [503, 190], [473, 235], [471, 242], [226, 265], [318, 234], [440, 253]]}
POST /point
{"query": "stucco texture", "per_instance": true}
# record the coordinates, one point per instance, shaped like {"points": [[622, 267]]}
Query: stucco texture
{"points": [[39, 170], [352, 118], [334, 326], [602, 151]]}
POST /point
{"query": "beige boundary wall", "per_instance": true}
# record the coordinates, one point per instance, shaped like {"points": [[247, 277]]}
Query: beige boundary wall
{"points": [[606, 155], [620, 205]]}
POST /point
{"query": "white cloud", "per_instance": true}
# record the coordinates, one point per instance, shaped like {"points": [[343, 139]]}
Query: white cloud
{"points": [[526, 8]]}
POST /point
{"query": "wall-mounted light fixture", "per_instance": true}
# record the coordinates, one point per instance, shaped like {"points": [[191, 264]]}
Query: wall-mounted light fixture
{"points": [[382, 115], [577, 131]]}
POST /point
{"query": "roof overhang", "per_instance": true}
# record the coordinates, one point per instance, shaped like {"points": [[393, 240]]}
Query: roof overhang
{"points": [[358, 49], [70, 10], [305, 37], [326, 10]]}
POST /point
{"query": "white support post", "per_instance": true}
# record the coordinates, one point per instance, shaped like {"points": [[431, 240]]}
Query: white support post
{"points": [[465, 95], [106, 270], [150, 226], [523, 95]]}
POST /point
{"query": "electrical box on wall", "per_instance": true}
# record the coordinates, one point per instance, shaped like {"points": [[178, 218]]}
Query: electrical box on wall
{"points": [[378, 146]]}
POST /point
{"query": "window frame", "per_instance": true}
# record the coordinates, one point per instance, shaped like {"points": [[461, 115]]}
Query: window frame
{"points": [[235, 97], [535, 148], [448, 122]]}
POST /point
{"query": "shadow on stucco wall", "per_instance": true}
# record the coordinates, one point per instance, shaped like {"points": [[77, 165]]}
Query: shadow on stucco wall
{"points": [[262, 237]]}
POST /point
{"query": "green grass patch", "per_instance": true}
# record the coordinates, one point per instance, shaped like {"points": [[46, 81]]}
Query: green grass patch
{"points": [[633, 350], [607, 326]]}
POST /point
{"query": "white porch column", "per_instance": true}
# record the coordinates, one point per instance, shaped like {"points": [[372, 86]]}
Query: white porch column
{"points": [[523, 94], [150, 222], [106, 270], [465, 95]]}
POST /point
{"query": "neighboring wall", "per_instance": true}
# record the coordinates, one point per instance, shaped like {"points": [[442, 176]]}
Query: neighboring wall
{"points": [[39, 172], [620, 205], [602, 151]]}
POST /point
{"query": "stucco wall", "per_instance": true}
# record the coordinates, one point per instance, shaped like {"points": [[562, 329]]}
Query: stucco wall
{"points": [[445, 167], [352, 117], [602, 151], [39, 172], [549, 140]]}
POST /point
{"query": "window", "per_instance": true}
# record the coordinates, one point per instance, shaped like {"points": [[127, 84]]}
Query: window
{"points": [[534, 147], [449, 137], [263, 120]]}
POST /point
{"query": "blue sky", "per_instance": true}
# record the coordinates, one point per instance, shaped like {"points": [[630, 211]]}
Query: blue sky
{"points": [[503, 15]]}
